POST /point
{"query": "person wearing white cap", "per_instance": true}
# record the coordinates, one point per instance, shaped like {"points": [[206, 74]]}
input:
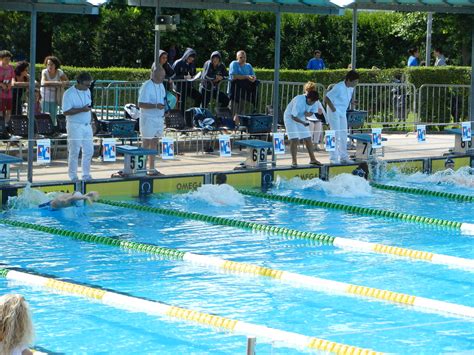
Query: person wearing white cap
{"points": [[151, 101]]}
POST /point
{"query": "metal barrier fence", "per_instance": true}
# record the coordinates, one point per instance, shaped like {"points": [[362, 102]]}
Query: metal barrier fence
{"points": [[440, 104]]}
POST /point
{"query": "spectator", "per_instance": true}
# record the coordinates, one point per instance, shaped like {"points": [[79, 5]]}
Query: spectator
{"points": [[37, 101], [16, 327], [151, 101], [53, 81], [185, 70], [414, 60], [20, 85], [213, 72], [7, 75], [338, 100], [243, 85], [169, 72], [316, 63], [297, 127], [315, 122], [77, 109], [440, 58], [172, 54]]}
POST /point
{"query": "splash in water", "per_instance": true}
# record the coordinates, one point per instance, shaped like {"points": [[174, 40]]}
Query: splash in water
{"points": [[462, 177], [343, 185], [30, 198], [218, 195]]}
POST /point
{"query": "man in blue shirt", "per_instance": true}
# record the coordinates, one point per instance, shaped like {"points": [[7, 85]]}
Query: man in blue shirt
{"points": [[242, 85], [316, 63]]}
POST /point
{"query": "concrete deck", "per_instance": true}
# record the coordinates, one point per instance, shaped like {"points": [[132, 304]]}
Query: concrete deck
{"points": [[398, 146]]}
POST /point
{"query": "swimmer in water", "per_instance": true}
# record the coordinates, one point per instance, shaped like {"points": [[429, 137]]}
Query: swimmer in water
{"points": [[362, 170], [70, 199]]}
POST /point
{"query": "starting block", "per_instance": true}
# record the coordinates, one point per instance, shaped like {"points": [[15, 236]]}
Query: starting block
{"points": [[460, 147], [135, 159], [364, 149], [256, 154], [5, 161]]}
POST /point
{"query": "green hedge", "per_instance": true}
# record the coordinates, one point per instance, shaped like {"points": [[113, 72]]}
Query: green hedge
{"points": [[417, 76]]}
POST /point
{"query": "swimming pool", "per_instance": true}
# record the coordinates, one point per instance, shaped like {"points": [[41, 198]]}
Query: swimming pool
{"points": [[71, 324]]}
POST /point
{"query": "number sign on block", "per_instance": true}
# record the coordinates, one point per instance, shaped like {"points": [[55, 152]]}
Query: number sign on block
{"points": [[108, 149], [376, 138], [43, 151], [278, 143], [421, 133], [167, 145], [224, 146], [466, 131], [330, 141]]}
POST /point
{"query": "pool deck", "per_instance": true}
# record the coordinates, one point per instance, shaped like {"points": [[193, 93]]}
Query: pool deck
{"points": [[398, 146]]}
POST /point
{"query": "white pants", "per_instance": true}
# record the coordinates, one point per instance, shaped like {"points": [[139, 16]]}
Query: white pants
{"points": [[316, 128], [79, 136], [338, 123]]}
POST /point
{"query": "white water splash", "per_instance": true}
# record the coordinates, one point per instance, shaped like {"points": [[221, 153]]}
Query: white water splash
{"points": [[343, 185], [463, 177], [218, 195], [29, 198]]}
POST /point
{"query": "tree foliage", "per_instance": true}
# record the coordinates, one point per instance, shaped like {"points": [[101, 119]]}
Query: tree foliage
{"points": [[124, 36]]}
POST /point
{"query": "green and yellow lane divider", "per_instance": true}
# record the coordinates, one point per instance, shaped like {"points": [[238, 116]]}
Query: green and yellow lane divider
{"points": [[424, 192], [137, 304], [467, 228], [323, 238], [296, 280]]}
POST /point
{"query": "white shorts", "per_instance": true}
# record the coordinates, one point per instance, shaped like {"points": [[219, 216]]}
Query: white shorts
{"points": [[296, 130], [151, 126]]}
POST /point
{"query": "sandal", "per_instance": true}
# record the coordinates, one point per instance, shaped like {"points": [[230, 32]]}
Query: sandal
{"points": [[315, 162], [154, 172]]}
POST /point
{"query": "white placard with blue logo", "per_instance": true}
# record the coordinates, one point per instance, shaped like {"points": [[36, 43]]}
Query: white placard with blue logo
{"points": [[167, 145], [108, 150], [466, 131], [376, 137], [279, 143], [43, 151], [330, 141], [421, 133], [224, 146]]}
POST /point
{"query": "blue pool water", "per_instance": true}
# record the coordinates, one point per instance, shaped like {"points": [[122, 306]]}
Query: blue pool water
{"points": [[72, 324]]}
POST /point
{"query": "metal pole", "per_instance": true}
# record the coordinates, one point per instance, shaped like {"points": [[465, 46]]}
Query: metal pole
{"points": [[157, 33], [276, 79], [429, 30], [251, 343], [354, 39], [31, 95]]}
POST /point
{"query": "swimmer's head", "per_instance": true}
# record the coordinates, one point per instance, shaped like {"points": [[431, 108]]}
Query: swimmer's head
{"points": [[362, 170], [449, 164], [221, 179]]}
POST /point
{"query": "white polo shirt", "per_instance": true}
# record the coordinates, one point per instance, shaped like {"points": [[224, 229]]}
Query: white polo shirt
{"points": [[74, 98]]}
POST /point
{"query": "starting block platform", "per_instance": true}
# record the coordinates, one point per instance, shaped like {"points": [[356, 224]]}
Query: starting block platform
{"points": [[460, 147], [256, 154], [364, 148], [135, 159], [5, 161]]}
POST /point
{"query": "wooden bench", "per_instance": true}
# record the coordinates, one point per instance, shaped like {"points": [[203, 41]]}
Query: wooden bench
{"points": [[256, 154], [460, 147], [364, 148], [135, 159]]}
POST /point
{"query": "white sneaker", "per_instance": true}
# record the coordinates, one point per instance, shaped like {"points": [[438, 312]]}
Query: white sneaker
{"points": [[87, 178], [334, 161]]}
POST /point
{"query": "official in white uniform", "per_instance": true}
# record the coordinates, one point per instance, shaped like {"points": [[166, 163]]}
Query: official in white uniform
{"points": [[151, 101], [338, 100], [297, 127], [77, 109]]}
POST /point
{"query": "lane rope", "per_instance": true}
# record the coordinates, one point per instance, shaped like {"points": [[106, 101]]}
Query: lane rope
{"points": [[322, 238], [132, 303], [294, 279], [463, 227], [424, 192]]}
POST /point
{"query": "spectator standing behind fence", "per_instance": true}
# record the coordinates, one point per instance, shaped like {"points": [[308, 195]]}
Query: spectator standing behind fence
{"points": [[315, 124], [213, 72], [7, 74], [242, 86], [53, 81], [151, 100], [338, 100], [185, 70], [316, 63], [77, 109], [440, 58], [20, 85], [16, 327], [297, 127], [414, 59]]}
